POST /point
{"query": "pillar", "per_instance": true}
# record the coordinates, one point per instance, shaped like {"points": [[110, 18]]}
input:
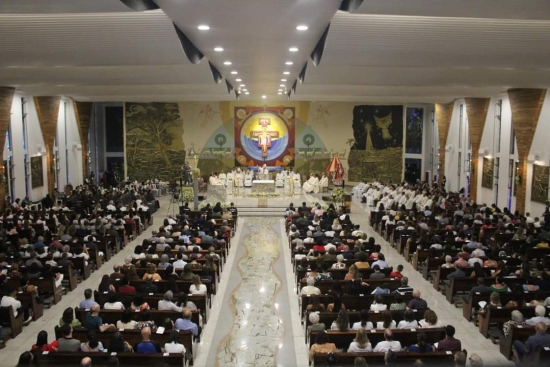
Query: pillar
{"points": [[476, 110], [526, 105], [47, 109], [443, 114], [6, 100], [83, 111]]}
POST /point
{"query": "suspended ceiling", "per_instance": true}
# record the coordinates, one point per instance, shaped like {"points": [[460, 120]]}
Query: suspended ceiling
{"points": [[386, 51]]}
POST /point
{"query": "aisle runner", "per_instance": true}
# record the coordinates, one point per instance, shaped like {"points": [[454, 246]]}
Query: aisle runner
{"points": [[256, 332]]}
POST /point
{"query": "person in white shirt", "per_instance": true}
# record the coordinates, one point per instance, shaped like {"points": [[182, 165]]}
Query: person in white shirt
{"points": [[479, 250], [309, 238], [111, 207], [179, 263], [174, 345], [197, 287], [378, 304], [381, 262], [113, 303], [539, 316], [364, 323], [388, 323], [310, 288], [409, 321], [429, 320], [10, 300], [361, 343], [329, 245], [388, 344], [475, 259], [167, 304]]}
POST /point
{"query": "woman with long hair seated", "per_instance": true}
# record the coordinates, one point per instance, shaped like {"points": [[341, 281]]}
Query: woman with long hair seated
{"points": [[119, 345], [342, 322], [361, 343]]}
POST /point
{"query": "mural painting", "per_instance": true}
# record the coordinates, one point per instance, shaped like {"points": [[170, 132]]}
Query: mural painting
{"points": [[539, 186], [264, 135], [377, 143], [487, 174], [154, 143], [37, 172]]}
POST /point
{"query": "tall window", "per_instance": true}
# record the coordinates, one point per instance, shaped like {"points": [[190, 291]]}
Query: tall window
{"points": [[114, 129], [66, 143], [510, 182], [415, 128], [460, 125], [498, 122], [26, 162], [9, 165], [512, 139]]}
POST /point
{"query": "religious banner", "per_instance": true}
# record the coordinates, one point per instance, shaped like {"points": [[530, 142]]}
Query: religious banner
{"points": [[264, 135], [377, 143], [539, 186], [487, 174]]}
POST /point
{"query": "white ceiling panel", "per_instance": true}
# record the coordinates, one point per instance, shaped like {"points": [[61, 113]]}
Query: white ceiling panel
{"points": [[60, 6]]}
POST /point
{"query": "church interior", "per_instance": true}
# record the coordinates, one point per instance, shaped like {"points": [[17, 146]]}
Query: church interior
{"points": [[275, 183]]}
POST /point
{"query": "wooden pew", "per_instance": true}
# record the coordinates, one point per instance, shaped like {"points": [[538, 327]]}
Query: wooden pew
{"points": [[132, 337], [162, 272], [521, 333], [326, 285], [66, 271], [501, 315], [8, 319], [407, 337], [112, 316], [377, 359], [45, 286], [199, 300], [183, 286], [201, 261], [100, 359], [354, 302], [475, 298], [464, 285], [340, 274]]}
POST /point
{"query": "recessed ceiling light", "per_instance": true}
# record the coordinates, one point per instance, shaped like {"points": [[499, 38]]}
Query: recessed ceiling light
{"points": [[238, 80], [280, 93], [283, 80], [218, 49], [203, 27], [242, 85], [264, 96], [234, 72], [292, 49], [279, 90], [289, 63], [302, 27], [227, 62], [286, 72], [246, 92], [282, 85]]}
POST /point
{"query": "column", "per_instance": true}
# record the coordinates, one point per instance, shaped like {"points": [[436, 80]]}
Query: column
{"points": [[6, 100], [83, 111], [48, 114], [443, 113], [526, 105], [476, 110]]}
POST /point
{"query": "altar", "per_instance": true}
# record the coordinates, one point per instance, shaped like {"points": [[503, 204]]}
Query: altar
{"points": [[263, 186]]}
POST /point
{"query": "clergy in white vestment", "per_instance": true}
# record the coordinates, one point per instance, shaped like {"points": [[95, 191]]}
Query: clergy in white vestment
{"points": [[239, 178], [311, 185], [323, 182], [358, 190], [222, 177], [229, 178], [248, 178], [214, 181], [297, 179]]}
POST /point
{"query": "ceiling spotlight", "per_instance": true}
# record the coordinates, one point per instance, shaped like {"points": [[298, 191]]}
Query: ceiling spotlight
{"points": [[203, 27], [238, 80], [242, 85], [289, 63], [279, 90], [302, 28], [283, 80], [293, 49], [234, 72], [227, 62], [218, 49], [282, 85], [280, 93], [286, 72], [264, 96], [246, 92]]}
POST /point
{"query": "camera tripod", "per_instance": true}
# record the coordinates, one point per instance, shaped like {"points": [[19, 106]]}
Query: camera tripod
{"points": [[174, 201]]}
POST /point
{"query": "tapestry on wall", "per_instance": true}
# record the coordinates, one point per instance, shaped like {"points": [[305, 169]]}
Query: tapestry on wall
{"points": [[487, 174], [539, 186], [264, 135], [37, 172], [154, 141], [377, 144]]}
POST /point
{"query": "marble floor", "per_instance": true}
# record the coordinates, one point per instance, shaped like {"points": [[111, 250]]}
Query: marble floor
{"points": [[254, 318]]}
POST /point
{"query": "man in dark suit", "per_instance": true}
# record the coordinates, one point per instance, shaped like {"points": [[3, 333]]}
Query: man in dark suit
{"points": [[149, 287], [449, 344], [540, 340]]}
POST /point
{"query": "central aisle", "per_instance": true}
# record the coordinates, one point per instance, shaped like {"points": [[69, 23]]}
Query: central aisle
{"points": [[249, 330]]}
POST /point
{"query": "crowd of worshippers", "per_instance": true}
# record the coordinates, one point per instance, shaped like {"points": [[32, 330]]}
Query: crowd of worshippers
{"points": [[183, 234]]}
